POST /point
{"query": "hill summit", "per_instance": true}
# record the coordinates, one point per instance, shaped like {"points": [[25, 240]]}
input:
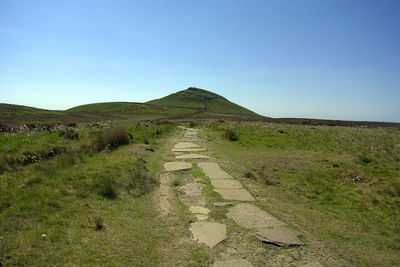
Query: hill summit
{"points": [[200, 99]]}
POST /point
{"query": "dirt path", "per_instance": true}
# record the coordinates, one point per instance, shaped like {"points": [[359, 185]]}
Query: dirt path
{"points": [[223, 219]]}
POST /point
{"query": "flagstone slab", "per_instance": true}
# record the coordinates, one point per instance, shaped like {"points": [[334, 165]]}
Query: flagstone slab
{"points": [[178, 165], [185, 145], [280, 236], [213, 171], [235, 194], [199, 210], [209, 233], [251, 216], [232, 263], [192, 156], [201, 217], [226, 184], [187, 149], [192, 139]]}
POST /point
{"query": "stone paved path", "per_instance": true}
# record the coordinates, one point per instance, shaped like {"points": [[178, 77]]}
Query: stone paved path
{"points": [[176, 166], [186, 145], [232, 263], [193, 156], [213, 171], [269, 229]]}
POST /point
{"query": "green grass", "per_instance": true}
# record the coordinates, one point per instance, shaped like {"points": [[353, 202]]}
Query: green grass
{"points": [[340, 185], [93, 208]]}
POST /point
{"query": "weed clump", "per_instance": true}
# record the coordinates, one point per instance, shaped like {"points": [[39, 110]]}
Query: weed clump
{"points": [[364, 159], [231, 135], [107, 189], [96, 222], [139, 180], [262, 174], [114, 137], [66, 159], [69, 134], [249, 174]]}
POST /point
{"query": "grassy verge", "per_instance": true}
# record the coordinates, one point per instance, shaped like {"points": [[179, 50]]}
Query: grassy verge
{"points": [[339, 185], [81, 207]]}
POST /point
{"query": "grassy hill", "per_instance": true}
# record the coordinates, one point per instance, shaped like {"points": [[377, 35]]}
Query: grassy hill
{"points": [[201, 99], [111, 107], [189, 103], [132, 108], [9, 110]]}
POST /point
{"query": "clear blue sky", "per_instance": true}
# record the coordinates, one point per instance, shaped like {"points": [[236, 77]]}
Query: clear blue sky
{"points": [[333, 59]]}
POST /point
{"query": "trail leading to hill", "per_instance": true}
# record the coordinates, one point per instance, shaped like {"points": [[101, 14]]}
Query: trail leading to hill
{"points": [[242, 216]]}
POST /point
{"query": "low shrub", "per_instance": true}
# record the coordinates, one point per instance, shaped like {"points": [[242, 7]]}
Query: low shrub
{"points": [[364, 159], [193, 124], [161, 122], [249, 174], [231, 135], [33, 180]]}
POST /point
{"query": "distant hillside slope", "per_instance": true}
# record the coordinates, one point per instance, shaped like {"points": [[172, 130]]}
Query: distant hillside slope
{"points": [[8, 110], [130, 108], [200, 99], [111, 107]]}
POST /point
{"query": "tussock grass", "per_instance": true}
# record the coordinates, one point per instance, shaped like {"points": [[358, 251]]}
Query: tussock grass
{"points": [[114, 137], [231, 135], [107, 188], [138, 178], [66, 159], [69, 134]]}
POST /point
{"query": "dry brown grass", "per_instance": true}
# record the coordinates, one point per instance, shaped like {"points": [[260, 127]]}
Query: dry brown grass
{"points": [[114, 137]]}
